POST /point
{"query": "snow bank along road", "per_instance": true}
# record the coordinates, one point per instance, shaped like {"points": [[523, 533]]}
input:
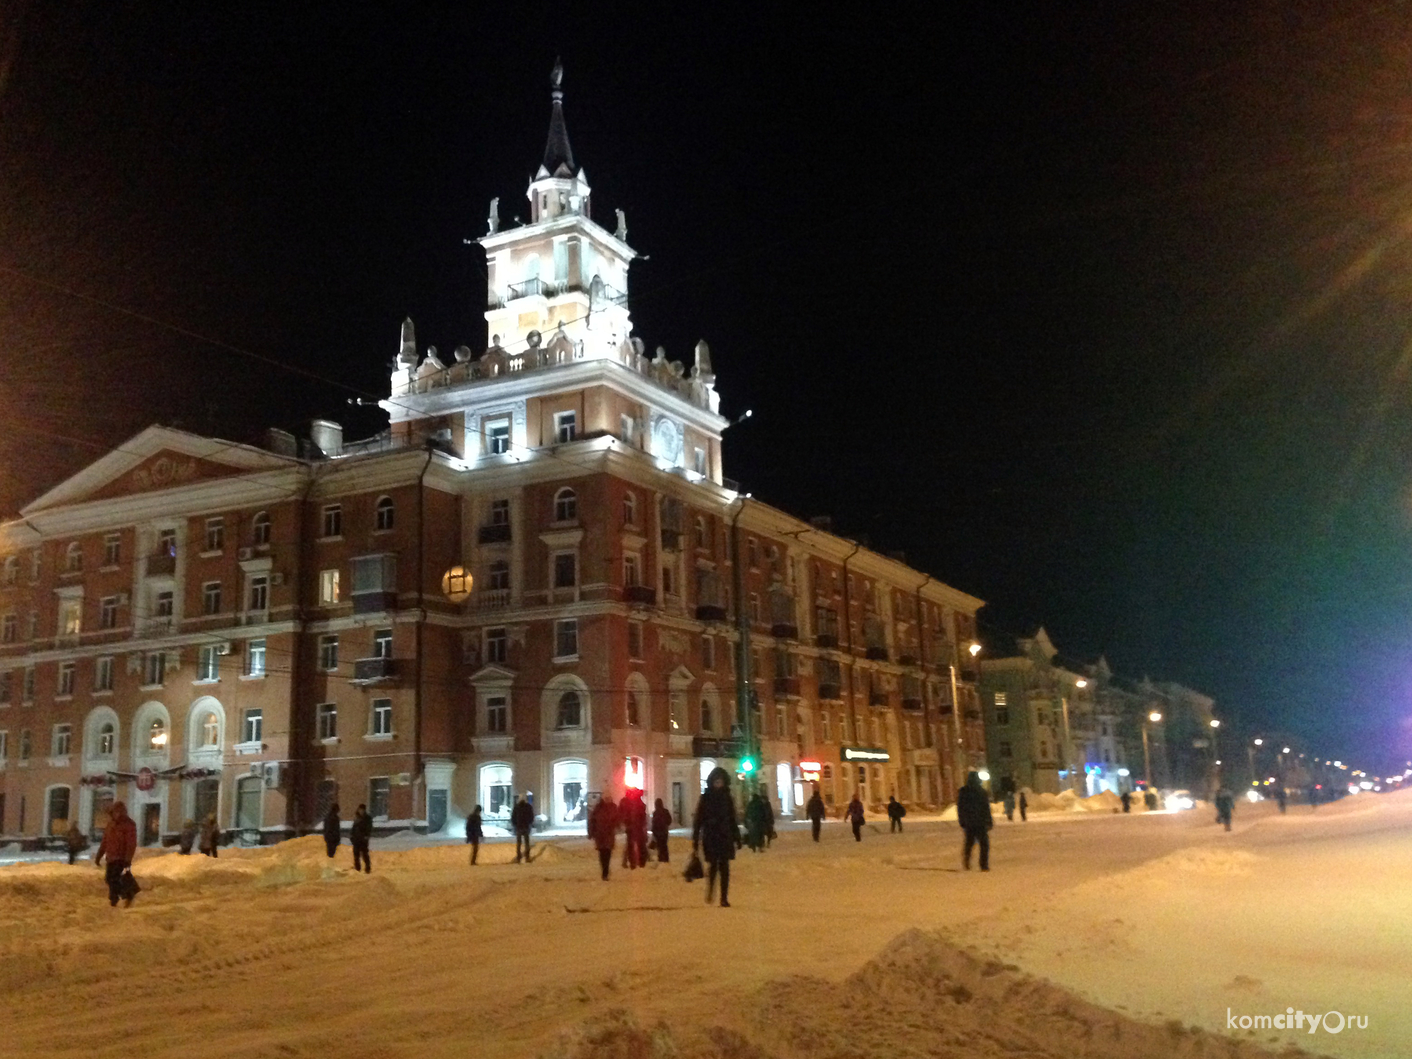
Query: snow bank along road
{"points": [[1093, 935]]}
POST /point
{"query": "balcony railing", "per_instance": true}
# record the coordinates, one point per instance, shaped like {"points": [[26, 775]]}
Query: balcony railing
{"points": [[374, 670], [787, 687], [826, 639], [830, 691], [373, 602], [530, 288], [163, 564], [710, 612], [643, 595], [495, 533], [493, 599]]}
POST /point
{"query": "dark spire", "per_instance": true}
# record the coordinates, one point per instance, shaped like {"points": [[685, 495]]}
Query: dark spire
{"points": [[558, 155]]}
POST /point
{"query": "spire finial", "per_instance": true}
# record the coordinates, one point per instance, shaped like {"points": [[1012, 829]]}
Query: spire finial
{"points": [[558, 155], [556, 80]]}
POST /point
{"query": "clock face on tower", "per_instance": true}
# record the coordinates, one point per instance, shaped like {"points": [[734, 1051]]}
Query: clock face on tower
{"points": [[666, 442]]}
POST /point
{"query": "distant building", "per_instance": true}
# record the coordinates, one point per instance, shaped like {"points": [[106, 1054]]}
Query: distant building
{"points": [[536, 581]]}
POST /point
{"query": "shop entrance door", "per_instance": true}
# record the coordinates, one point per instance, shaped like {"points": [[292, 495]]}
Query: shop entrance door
{"points": [[151, 823]]}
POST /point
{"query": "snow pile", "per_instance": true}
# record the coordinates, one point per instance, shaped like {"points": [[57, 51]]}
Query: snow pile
{"points": [[1068, 801], [921, 997]]}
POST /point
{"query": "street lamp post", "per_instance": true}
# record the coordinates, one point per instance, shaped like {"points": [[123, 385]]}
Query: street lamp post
{"points": [[961, 766], [1152, 718], [1215, 759]]}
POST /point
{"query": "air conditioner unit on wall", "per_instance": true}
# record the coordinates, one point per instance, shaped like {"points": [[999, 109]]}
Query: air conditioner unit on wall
{"points": [[272, 774], [277, 577], [246, 553], [122, 599], [223, 648]]}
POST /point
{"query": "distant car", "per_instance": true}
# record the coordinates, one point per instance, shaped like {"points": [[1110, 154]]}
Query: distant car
{"points": [[1181, 800]]}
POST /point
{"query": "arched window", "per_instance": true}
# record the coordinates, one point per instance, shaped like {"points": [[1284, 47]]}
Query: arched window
{"points": [[73, 557], [629, 519], [570, 711], [157, 736], [384, 513], [708, 721], [107, 739], [566, 506], [634, 710], [260, 528], [12, 570], [700, 531], [210, 730]]}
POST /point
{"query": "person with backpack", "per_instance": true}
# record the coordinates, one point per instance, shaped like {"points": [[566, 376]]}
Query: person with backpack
{"points": [[333, 830], [815, 812], [715, 833], [854, 815], [661, 830], [361, 835], [895, 812], [474, 833]]}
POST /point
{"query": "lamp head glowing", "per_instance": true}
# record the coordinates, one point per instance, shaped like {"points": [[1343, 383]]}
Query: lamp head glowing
{"points": [[1285, 751], [1215, 723], [1081, 683], [1259, 742], [1154, 716], [975, 648]]}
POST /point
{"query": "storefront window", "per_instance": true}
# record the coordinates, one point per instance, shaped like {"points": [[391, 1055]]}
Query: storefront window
{"points": [[497, 792], [570, 792]]}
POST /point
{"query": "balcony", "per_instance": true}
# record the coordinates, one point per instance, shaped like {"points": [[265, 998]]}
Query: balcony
{"points": [[374, 670], [494, 744], [373, 602], [830, 691], [642, 595], [710, 612], [530, 288], [671, 539], [493, 599], [912, 704], [877, 698], [163, 564], [495, 533], [877, 653], [787, 687], [827, 639], [717, 746], [784, 631], [908, 660]]}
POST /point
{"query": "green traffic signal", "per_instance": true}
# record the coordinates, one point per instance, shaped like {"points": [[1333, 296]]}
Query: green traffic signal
{"points": [[747, 764]]}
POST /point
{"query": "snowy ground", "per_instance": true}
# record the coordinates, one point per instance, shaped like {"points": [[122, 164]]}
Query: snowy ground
{"points": [[1093, 935]]}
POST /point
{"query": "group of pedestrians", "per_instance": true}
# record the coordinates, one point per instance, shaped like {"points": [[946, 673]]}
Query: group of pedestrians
{"points": [[360, 836], [630, 814]]}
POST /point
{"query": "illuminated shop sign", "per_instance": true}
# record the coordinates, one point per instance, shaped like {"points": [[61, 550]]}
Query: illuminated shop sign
{"points": [[863, 753]]}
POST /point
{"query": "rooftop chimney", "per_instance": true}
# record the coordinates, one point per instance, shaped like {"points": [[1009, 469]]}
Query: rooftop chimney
{"points": [[281, 442], [327, 436], [822, 522]]}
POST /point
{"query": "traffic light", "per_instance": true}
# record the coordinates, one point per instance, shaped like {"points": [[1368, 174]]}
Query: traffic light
{"points": [[747, 765]]}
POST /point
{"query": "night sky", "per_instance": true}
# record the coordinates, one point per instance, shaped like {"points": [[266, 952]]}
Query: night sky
{"points": [[1099, 312]]}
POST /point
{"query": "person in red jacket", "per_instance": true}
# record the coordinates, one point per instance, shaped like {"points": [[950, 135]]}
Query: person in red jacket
{"points": [[632, 814], [119, 845], [603, 829]]}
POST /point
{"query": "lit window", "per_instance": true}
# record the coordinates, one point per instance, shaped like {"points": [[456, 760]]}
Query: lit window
{"points": [[107, 739], [385, 514], [255, 658], [497, 437], [328, 587], [70, 617], [210, 730], [566, 506], [157, 736], [208, 662], [253, 727]]}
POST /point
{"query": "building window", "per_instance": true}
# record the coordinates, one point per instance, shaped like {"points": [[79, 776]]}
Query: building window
{"points": [[328, 587], [565, 426], [667, 589], [73, 558], [701, 538], [382, 643], [328, 653], [701, 462], [59, 743], [70, 617], [259, 593], [566, 506], [157, 736], [9, 628], [824, 730], [635, 639], [27, 689], [66, 678], [12, 571], [333, 520], [497, 437], [708, 652], [496, 643], [208, 662], [163, 607], [384, 514], [629, 508], [634, 710], [1044, 751], [112, 549], [4, 752], [755, 607], [779, 720], [107, 740], [167, 543], [103, 674], [211, 597], [210, 730], [500, 512], [154, 668], [499, 576], [379, 789], [565, 570], [570, 711], [752, 551], [1005, 749], [33, 622], [627, 429], [1002, 716], [632, 570], [328, 720], [252, 728], [6, 690], [381, 717], [496, 715], [708, 719], [260, 528], [215, 534], [255, 658], [108, 612], [566, 638]]}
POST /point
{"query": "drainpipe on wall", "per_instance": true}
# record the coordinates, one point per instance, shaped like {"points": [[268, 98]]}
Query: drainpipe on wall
{"points": [[742, 625], [922, 664], [297, 789], [848, 626], [417, 777]]}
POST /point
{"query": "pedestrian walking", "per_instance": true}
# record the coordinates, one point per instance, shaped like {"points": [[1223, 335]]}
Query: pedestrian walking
{"points": [[973, 814], [854, 815], [210, 837], [632, 814], [1024, 807], [187, 838], [755, 822], [603, 830], [75, 841], [361, 835], [1281, 797], [661, 830], [895, 812], [521, 820], [119, 845], [769, 817], [1009, 804], [474, 833], [815, 812], [715, 833], [1127, 802], [1225, 807], [333, 830]]}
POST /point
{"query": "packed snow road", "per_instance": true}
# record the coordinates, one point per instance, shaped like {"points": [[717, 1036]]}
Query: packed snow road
{"points": [[1092, 935]]}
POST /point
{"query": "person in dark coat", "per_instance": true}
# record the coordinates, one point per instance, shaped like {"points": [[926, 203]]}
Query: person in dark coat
{"points": [[769, 817], [361, 835], [815, 811], [854, 815], [1009, 805], [756, 822], [333, 830], [210, 844], [632, 814], [661, 830], [1024, 807], [474, 832], [715, 833], [973, 814], [1281, 797], [119, 845], [1127, 802], [187, 838], [1225, 806], [603, 830], [895, 812], [521, 820], [75, 841]]}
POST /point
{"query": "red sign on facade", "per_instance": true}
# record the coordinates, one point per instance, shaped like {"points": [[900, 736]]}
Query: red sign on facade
{"points": [[146, 779]]}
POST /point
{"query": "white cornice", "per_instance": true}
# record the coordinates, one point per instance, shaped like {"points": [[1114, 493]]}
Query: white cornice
{"points": [[565, 222]]}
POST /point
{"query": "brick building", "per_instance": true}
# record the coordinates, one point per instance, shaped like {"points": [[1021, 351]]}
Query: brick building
{"points": [[535, 580]]}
